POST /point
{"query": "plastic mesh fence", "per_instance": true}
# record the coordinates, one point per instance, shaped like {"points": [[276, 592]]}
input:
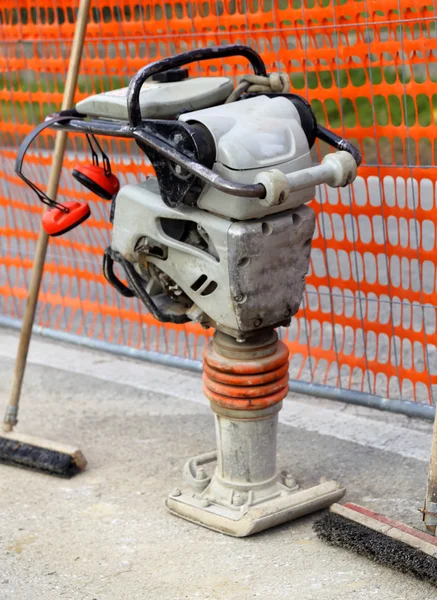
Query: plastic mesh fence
{"points": [[368, 320]]}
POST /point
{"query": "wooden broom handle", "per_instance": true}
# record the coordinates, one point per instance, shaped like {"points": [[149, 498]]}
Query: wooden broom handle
{"points": [[41, 248]]}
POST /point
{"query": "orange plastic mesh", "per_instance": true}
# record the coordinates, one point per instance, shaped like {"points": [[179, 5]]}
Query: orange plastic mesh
{"points": [[369, 68]]}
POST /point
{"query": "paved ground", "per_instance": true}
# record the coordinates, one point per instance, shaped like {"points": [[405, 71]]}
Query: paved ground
{"points": [[105, 535]]}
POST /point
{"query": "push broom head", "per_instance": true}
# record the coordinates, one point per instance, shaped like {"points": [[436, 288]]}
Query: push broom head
{"points": [[38, 454], [381, 539]]}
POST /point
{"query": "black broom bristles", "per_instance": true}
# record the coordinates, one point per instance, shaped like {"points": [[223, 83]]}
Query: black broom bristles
{"points": [[337, 530], [21, 453]]}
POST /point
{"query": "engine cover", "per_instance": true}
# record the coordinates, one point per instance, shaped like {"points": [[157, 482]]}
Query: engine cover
{"points": [[252, 136], [252, 273]]}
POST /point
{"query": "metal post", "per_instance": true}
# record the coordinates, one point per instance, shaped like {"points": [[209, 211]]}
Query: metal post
{"points": [[430, 510]]}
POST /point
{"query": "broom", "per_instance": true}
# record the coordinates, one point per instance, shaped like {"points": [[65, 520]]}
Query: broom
{"points": [[388, 542], [385, 540], [20, 449]]}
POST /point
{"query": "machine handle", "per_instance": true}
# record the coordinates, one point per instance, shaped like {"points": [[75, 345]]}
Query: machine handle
{"points": [[338, 142], [172, 62], [337, 169], [347, 159]]}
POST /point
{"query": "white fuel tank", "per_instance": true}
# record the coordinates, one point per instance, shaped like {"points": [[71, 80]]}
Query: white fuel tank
{"points": [[252, 136], [160, 100]]}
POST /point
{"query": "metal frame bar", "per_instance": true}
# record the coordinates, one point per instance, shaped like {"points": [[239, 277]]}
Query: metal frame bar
{"points": [[142, 135], [403, 407]]}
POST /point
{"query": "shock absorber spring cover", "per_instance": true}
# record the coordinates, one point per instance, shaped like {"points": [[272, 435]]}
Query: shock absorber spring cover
{"points": [[252, 382]]}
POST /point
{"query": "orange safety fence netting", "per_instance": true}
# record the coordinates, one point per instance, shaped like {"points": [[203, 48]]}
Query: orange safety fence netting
{"points": [[368, 320]]}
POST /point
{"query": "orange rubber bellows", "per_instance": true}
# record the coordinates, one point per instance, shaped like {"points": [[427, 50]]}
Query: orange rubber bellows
{"points": [[241, 384], [57, 221]]}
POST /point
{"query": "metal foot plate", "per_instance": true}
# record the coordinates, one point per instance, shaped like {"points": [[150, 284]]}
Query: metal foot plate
{"points": [[249, 520]]}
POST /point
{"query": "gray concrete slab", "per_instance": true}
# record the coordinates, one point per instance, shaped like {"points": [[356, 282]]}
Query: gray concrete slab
{"points": [[105, 535]]}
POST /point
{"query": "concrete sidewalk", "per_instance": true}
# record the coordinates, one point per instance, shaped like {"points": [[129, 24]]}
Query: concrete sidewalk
{"points": [[105, 535]]}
